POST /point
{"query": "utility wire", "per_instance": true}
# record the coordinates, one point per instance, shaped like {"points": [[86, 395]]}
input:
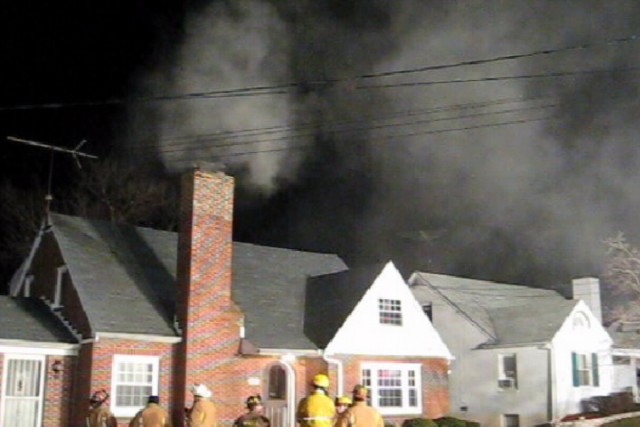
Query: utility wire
{"points": [[285, 87], [499, 78], [386, 138], [192, 147], [311, 125]]}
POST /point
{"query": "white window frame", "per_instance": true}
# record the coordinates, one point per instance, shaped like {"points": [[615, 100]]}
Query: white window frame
{"points": [[505, 420], [390, 311], [405, 368], [507, 380], [130, 411], [585, 369], [57, 296]]}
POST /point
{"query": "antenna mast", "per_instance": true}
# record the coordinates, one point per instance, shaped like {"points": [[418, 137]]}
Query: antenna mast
{"points": [[52, 148]]}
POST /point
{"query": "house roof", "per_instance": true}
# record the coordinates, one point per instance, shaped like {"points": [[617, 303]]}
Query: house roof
{"points": [[139, 266], [28, 319], [508, 314], [331, 298], [625, 335]]}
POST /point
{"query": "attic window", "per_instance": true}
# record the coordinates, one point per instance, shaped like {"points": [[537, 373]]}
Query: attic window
{"points": [[428, 310], [27, 285], [60, 280], [390, 311]]}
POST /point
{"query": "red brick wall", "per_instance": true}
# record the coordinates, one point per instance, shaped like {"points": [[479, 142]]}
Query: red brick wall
{"points": [[95, 368], [435, 390], [58, 391]]}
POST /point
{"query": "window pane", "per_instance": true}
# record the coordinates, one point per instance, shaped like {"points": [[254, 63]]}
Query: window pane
{"points": [[413, 397], [132, 395], [390, 311], [511, 420], [390, 398]]}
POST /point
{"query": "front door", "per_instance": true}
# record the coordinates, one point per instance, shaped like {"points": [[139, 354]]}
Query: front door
{"points": [[22, 391], [277, 395]]}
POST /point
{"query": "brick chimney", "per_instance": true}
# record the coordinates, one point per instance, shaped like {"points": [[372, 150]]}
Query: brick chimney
{"points": [[208, 318], [588, 290]]}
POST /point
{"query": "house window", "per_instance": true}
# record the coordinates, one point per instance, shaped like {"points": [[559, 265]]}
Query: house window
{"points": [[428, 310], [507, 371], [585, 369], [390, 311], [511, 420], [277, 382], [394, 388], [27, 285], [60, 279], [134, 379]]}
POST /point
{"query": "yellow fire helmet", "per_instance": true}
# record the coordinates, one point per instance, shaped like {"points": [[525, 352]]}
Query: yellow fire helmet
{"points": [[343, 400], [253, 401], [321, 380]]}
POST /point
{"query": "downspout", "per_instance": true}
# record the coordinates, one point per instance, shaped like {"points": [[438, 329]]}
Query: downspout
{"points": [[552, 379], [340, 371]]}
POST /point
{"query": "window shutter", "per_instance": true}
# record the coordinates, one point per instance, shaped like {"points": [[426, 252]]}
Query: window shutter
{"points": [[574, 365], [594, 369]]}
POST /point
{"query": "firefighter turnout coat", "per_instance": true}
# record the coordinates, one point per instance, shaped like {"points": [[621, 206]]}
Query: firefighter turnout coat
{"points": [[153, 415], [316, 410], [101, 417], [202, 413], [361, 415]]}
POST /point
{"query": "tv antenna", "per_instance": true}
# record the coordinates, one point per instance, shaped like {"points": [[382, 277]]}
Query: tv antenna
{"points": [[75, 153]]}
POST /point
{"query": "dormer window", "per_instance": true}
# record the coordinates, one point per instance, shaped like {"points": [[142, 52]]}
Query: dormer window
{"points": [[60, 279], [26, 291], [428, 310], [390, 311]]}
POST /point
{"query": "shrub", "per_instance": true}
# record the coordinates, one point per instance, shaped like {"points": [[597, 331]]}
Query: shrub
{"points": [[450, 422], [419, 422]]}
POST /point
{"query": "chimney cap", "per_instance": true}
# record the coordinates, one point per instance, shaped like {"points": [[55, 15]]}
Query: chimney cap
{"points": [[211, 167]]}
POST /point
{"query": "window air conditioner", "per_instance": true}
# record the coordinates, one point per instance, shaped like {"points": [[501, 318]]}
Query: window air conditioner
{"points": [[507, 383]]}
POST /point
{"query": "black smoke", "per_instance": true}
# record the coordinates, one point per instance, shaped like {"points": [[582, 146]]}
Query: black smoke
{"points": [[431, 176]]}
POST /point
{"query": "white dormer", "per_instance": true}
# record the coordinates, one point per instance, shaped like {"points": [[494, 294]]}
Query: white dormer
{"points": [[388, 321]]}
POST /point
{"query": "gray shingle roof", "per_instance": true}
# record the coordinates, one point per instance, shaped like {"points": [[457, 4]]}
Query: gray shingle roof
{"points": [[508, 314], [29, 319], [126, 279], [331, 298], [625, 335]]}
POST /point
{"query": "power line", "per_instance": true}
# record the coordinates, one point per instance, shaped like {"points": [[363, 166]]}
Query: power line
{"points": [[312, 125], [500, 78], [386, 138], [284, 88], [191, 147]]}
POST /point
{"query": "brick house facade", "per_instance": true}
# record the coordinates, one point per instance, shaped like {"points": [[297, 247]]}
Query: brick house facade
{"points": [[151, 313]]}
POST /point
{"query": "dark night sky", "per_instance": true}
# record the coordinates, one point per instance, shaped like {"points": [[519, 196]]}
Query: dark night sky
{"points": [[339, 163]]}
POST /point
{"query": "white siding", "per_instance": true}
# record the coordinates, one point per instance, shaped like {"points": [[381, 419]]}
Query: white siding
{"points": [[362, 332], [567, 398]]}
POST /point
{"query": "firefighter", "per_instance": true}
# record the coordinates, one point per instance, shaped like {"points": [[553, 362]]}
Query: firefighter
{"points": [[342, 406], [360, 414], [99, 414], [317, 409], [152, 415], [254, 417], [203, 411]]}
